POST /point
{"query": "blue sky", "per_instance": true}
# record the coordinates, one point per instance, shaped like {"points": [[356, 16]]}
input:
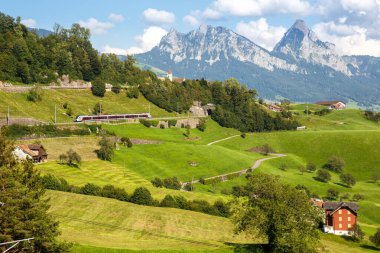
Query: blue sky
{"points": [[122, 26]]}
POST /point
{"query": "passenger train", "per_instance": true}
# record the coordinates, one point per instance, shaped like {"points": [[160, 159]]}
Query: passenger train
{"points": [[84, 118]]}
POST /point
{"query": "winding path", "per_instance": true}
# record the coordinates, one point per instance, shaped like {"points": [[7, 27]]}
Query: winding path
{"points": [[240, 172], [211, 143]]}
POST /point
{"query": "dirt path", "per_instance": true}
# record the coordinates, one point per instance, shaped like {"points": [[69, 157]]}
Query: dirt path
{"points": [[211, 143], [224, 177]]}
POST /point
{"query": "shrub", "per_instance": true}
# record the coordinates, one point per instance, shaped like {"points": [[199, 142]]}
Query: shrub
{"points": [[303, 189], [335, 164], [202, 125], [243, 135], [116, 88], [202, 181], [71, 158], [322, 112], [106, 150], [109, 191], [157, 182], [323, 175], [357, 197], [126, 142], [142, 196], [133, 92], [98, 88], [65, 105], [310, 167], [181, 202], [347, 179], [302, 169], [221, 208], [145, 122], [90, 189], [375, 239], [172, 122], [97, 109], [154, 123], [162, 126], [168, 201], [357, 234], [332, 194], [172, 183], [188, 187], [35, 94]]}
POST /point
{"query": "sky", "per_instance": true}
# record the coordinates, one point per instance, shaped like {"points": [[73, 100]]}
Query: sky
{"points": [[136, 26]]}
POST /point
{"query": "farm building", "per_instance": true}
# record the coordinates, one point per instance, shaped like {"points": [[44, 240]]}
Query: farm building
{"points": [[35, 152], [275, 108], [340, 217], [333, 105]]}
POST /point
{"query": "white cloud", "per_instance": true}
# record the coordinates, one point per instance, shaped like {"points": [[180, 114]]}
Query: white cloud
{"points": [[117, 18], [262, 7], [112, 50], [29, 22], [261, 32], [191, 20], [158, 17], [95, 26], [211, 14], [359, 5], [349, 39]]}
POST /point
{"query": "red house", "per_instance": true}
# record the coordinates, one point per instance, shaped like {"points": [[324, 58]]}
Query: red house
{"points": [[340, 217]]}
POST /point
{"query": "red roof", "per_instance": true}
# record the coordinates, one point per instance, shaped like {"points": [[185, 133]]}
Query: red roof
{"points": [[170, 71]]}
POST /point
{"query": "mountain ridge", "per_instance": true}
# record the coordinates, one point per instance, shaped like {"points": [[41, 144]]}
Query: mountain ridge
{"points": [[301, 67]]}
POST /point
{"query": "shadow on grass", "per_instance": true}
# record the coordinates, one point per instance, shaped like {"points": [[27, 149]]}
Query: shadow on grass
{"points": [[245, 248], [343, 185], [369, 247]]}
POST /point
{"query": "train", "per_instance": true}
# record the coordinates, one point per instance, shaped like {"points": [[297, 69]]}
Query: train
{"points": [[109, 117]]}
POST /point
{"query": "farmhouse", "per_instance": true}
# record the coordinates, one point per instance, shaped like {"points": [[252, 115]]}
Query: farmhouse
{"points": [[274, 108], [35, 152], [340, 217], [333, 105]]}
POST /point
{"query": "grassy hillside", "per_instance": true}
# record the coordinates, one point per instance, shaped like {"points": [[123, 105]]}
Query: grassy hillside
{"points": [[114, 224], [81, 101]]}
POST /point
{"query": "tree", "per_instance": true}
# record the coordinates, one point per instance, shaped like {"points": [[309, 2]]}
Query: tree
{"points": [[97, 109], [332, 194], [376, 176], [142, 196], [347, 179], [302, 169], [323, 175], [272, 210], [71, 157], [375, 239], [106, 150], [24, 210], [202, 125], [35, 94], [310, 167], [133, 92], [126, 142], [335, 164], [357, 234], [98, 88]]}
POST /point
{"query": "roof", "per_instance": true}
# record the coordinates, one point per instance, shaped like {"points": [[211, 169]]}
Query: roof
{"points": [[328, 102], [170, 71], [334, 206], [27, 150], [275, 106]]}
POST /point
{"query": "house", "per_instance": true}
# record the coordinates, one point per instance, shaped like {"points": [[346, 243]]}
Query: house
{"points": [[170, 75], [340, 217], [275, 108], [35, 152], [333, 105]]}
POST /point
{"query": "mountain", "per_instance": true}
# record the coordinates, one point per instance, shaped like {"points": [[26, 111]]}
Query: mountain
{"points": [[40, 32], [301, 67]]}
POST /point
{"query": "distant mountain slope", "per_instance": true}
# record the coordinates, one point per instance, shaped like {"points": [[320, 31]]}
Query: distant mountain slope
{"points": [[301, 67], [40, 32]]}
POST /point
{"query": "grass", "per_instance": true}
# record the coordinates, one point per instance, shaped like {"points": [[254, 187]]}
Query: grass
{"points": [[108, 223], [82, 102]]}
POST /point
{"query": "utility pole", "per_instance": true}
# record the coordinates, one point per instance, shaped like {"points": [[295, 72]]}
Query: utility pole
{"points": [[55, 114]]}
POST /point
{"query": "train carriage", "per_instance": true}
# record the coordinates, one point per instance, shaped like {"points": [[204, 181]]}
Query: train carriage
{"points": [[109, 117]]}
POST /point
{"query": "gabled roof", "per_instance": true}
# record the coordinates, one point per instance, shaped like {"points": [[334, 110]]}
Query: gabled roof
{"points": [[329, 102], [32, 148], [335, 206], [26, 150]]}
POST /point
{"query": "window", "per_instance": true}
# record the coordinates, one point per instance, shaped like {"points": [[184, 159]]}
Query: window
{"points": [[349, 218], [340, 218], [340, 225], [349, 225], [340, 212]]}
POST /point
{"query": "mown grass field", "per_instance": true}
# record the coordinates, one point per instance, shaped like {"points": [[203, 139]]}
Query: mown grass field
{"points": [[108, 223], [82, 102]]}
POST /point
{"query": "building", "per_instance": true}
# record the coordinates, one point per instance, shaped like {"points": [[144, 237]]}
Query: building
{"points": [[170, 75], [333, 105], [275, 108], [35, 152], [340, 217]]}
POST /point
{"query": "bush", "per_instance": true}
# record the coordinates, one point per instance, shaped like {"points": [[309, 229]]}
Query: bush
{"points": [[202, 181], [335, 164], [322, 112], [65, 105], [243, 135], [97, 109], [375, 239], [323, 175], [157, 182], [332, 194], [348, 179], [116, 88], [71, 158], [91, 189], [145, 122], [202, 125], [172, 183], [35, 94], [154, 123], [142, 196], [106, 150], [310, 167], [357, 197], [109, 191], [357, 234], [188, 187], [98, 88], [133, 92], [126, 142], [221, 208], [162, 126], [168, 201], [172, 122]]}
